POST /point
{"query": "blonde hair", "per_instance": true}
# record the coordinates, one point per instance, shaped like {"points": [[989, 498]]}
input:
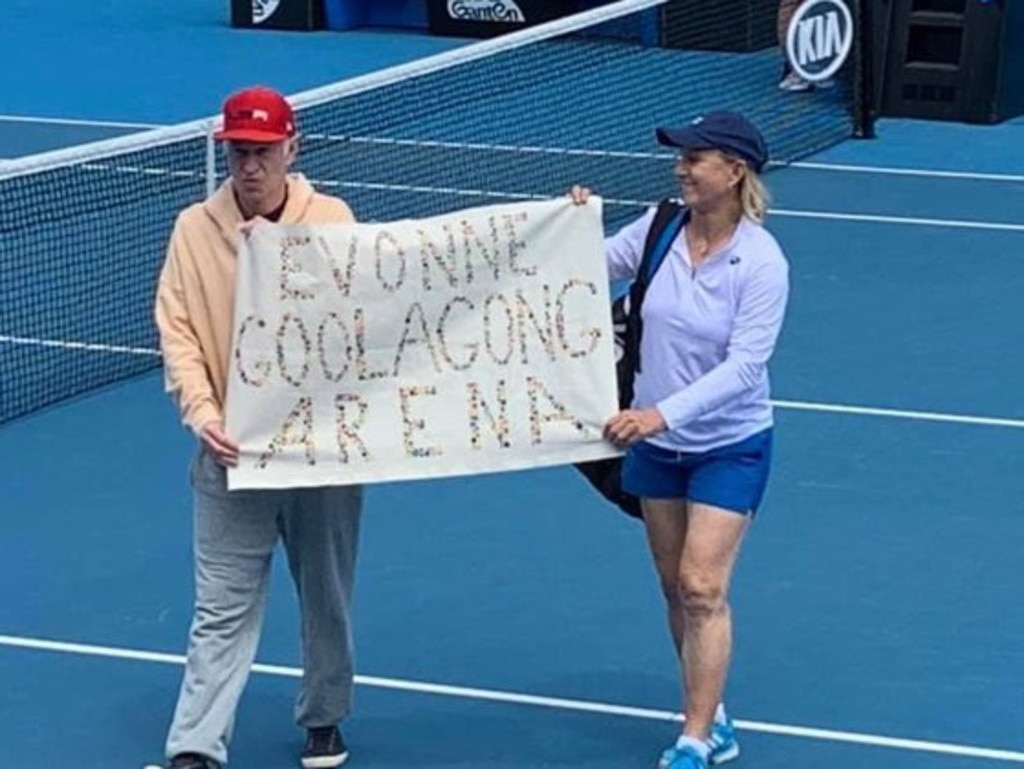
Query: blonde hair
{"points": [[754, 196]]}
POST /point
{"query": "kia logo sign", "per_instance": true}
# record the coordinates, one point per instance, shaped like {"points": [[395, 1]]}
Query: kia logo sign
{"points": [[263, 10], [819, 39]]}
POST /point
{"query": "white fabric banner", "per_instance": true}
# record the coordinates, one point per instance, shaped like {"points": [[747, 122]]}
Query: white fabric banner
{"points": [[474, 342]]}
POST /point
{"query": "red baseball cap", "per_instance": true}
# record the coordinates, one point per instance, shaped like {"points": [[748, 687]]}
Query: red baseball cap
{"points": [[257, 114]]}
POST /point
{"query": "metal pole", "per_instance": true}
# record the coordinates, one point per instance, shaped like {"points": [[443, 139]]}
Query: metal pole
{"points": [[211, 160]]}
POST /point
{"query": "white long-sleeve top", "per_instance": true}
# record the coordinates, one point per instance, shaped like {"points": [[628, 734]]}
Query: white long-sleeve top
{"points": [[708, 334]]}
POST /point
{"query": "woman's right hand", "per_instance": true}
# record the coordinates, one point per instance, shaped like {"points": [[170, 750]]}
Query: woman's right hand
{"points": [[579, 194]]}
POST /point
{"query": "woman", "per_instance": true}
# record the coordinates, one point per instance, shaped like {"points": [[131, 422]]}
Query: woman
{"points": [[699, 432]]}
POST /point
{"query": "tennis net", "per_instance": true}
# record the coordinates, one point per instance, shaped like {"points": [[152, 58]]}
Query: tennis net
{"points": [[524, 116]]}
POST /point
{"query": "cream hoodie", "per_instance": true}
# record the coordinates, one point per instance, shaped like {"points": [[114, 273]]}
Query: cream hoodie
{"points": [[196, 294]]}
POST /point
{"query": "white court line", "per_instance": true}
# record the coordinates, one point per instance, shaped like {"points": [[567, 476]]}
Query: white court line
{"points": [[491, 695], [830, 408], [83, 123], [783, 212], [892, 171], [879, 219], [532, 149], [924, 416], [807, 165], [503, 195]]}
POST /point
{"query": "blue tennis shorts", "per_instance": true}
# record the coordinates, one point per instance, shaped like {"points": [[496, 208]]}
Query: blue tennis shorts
{"points": [[731, 477]]}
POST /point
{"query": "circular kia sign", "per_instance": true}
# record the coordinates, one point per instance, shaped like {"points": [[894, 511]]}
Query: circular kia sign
{"points": [[819, 39]]}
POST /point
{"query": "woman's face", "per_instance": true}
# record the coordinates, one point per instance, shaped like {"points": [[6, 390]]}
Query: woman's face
{"points": [[708, 178]]}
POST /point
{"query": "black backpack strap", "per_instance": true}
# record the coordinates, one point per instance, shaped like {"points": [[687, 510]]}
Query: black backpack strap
{"points": [[669, 220], [605, 475]]}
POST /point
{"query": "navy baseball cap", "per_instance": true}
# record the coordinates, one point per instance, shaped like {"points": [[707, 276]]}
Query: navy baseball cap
{"points": [[728, 132]]}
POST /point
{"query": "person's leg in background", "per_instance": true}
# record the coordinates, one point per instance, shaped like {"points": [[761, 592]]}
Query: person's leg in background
{"points": [[790, 80]]}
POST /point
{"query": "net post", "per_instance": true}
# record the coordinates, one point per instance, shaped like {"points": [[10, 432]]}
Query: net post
{"points": [[211, 159], [864, 118]]}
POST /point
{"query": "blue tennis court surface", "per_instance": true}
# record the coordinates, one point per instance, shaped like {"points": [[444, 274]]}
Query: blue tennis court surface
{"points": [[514, 620]]}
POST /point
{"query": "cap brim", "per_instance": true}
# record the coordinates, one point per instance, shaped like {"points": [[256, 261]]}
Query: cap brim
{"points": [[683, 138], [250, 135]]}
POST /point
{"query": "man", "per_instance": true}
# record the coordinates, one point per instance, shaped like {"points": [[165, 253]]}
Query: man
{"points": [[236, 532]]}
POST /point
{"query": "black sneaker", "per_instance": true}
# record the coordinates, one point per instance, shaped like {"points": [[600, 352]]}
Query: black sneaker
{"points": [[325, 749], [192, 761]]}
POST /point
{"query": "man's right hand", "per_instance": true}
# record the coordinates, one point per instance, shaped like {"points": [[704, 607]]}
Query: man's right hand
{"points": [[216, 441], [579, 194]]}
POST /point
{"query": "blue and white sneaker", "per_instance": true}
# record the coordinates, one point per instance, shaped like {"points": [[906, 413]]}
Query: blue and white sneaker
{"points": [[722, 741], [683, 758]]}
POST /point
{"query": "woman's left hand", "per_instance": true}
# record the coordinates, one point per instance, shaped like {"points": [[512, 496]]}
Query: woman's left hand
{"points": [[633, 425]]}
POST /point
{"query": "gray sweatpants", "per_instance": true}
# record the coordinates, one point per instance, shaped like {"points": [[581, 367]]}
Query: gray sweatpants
{"points": [[234, 539]]}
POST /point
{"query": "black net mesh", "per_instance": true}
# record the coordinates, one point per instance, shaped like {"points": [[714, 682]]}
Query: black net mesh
{"points": [[81, 243]]}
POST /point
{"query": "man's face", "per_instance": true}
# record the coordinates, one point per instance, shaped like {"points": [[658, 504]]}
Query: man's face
{"points": [[259, 173]]}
